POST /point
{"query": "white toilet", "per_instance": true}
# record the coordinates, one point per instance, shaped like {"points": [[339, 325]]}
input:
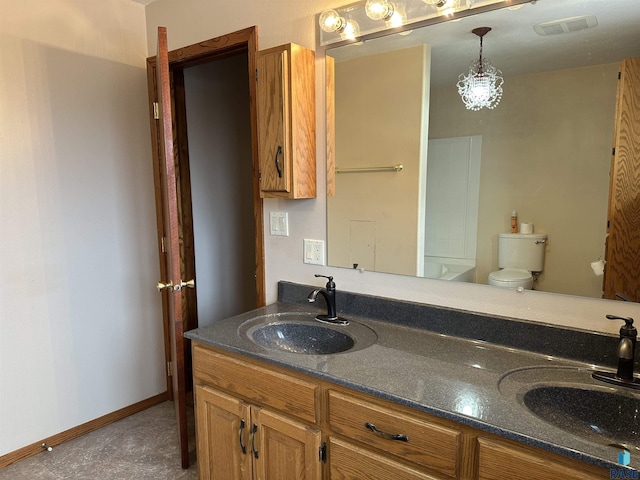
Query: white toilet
{"points": [[519, 254]]}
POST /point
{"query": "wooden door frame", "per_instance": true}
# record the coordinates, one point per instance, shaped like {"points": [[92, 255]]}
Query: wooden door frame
{"points": [[242, 41]]}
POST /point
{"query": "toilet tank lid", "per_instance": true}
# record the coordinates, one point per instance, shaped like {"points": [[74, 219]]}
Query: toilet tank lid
{"points": [[535, 236]]}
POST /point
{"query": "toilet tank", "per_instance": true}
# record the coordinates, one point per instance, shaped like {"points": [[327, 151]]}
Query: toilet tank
{"points": [[521, 250]]}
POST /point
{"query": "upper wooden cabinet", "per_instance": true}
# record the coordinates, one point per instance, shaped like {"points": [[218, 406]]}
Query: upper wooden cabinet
{"points": [[286, 107]]}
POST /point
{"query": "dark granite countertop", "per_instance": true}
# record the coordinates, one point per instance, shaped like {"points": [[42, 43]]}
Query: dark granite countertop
{"points": [[470, 381]]}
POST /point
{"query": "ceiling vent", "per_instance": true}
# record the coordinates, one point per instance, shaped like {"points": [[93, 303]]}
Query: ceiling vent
{"points": [[566, 25]]}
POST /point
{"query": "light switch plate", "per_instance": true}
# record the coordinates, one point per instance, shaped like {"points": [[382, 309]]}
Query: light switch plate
{"points": [[279, 224], [313, 252]]}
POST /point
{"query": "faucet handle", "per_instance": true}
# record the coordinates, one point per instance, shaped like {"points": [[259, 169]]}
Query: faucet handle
{"points": [[330, 284], [628, 321], [627, 330], [324, 276]]}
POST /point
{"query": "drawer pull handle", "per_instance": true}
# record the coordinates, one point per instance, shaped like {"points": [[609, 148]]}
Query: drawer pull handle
{"points": [[388, 436], [242, 446], [253, 440]]}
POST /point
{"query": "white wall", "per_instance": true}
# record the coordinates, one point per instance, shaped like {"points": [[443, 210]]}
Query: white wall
{"points": [[80, 320], [190, 21]]}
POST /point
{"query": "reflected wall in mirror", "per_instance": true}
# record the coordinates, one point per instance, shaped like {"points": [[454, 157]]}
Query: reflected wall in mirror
{"points": [[544, 151]]}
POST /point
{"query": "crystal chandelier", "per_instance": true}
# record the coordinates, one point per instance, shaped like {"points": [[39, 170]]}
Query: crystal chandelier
{"points": [[482, 86]]}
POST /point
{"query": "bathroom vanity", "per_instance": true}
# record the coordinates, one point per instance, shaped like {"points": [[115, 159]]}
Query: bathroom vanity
{"points": [[412, 397]]}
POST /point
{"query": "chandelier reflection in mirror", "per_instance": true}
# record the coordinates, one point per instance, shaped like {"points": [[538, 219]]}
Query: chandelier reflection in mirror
{"points": [[482, 86]]}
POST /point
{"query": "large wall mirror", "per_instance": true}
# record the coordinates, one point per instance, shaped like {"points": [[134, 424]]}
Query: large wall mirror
{"points": [[424, 186]]}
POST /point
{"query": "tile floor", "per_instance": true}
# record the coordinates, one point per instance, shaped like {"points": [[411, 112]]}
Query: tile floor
{"points": [[142, 447]]}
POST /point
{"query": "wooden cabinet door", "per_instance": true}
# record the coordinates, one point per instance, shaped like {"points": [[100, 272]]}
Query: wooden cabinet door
{"points": [[286, 113], [285, 449], [273, 131], [223, 428], [498, 460], [623, 242], [347, 461]]}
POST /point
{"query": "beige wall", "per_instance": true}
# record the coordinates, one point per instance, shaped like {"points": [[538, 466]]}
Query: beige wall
{"points": [[377, 104], [190, 21], [545, 153], [80, 321]]}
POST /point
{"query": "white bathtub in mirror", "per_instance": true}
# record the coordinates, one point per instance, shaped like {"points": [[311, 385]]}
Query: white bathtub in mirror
{"points": [[452, 269]]}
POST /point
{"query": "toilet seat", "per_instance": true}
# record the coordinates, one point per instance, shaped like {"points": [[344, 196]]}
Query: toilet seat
{"points": [[511, 278]]}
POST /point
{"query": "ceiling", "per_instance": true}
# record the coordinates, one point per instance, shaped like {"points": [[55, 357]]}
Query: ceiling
{"points": [[513, 46]]}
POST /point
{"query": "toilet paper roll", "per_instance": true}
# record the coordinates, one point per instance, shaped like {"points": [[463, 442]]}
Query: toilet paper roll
{"points": [[526, 227], [598, 267]]}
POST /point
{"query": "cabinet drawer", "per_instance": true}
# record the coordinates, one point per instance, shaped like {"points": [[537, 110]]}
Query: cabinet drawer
{"points": [[427, 444], [498, 461], [348, 461], [259, 385]]}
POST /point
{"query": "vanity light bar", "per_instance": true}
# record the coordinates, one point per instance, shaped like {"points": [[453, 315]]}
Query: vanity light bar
{"points": [[350, 23]]}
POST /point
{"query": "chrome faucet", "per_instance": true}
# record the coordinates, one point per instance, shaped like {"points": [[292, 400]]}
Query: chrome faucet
{"points": [[329, 294], [626, 356]]}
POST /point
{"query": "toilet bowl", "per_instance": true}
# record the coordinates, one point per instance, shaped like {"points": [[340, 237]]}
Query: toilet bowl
{"points": [[511, 278]]}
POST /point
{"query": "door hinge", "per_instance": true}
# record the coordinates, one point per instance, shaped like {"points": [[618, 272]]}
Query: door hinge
{"points": [[163, 245], [619, 75], [323, 452], [613, 151], [156, 111], [169, 370], [256, 74]]}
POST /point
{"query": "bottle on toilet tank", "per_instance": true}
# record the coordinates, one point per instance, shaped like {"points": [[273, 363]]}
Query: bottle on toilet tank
{"points": [[514, 222]]}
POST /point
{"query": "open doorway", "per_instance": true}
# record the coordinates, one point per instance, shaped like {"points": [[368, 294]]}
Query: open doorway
{"points": [[216, 100]]}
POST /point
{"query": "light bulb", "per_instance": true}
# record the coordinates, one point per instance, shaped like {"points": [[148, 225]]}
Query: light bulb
{"points": [[448, 7], [350, 31], [480, 88], [331, 21], [398, 18], [379, 9]]}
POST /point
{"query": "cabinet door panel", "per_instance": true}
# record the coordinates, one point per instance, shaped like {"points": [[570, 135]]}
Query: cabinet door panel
{"points": [[219, 418], [498, 461], [272, 127], [350, 462], [287, 450]]}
